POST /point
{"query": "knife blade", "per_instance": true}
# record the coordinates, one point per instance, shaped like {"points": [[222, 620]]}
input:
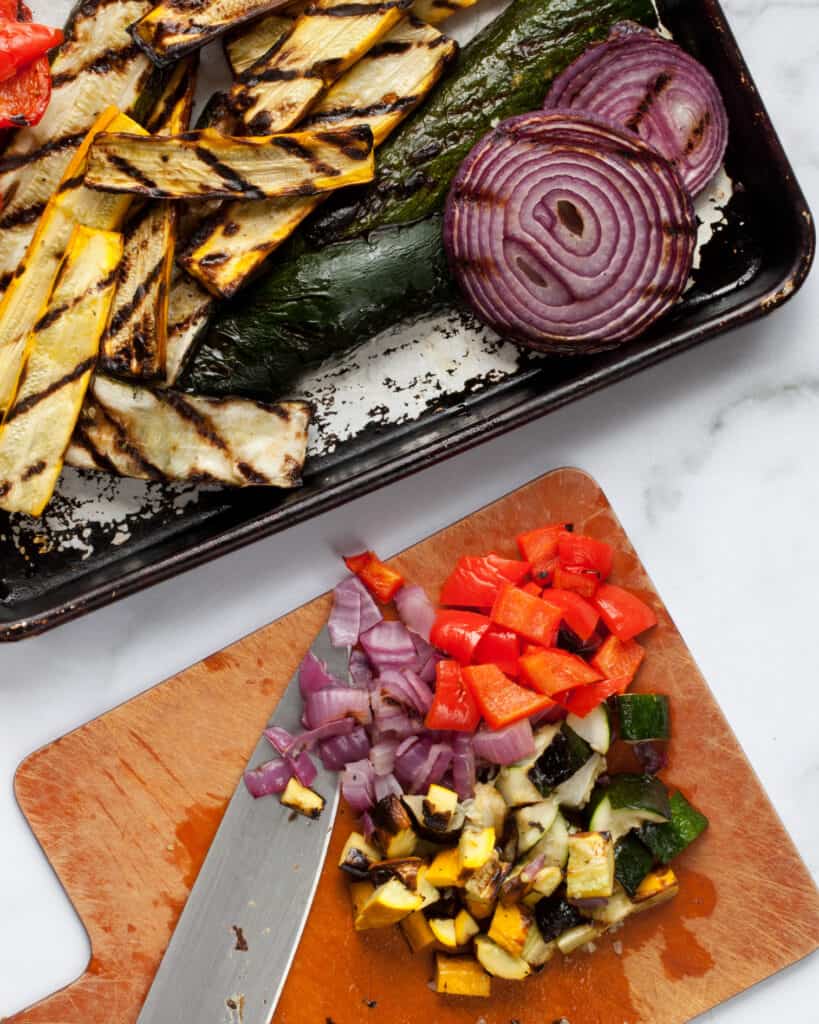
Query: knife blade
{"points": [[228, 958]]}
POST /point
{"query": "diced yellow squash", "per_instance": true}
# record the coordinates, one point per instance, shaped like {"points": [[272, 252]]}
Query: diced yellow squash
{"points": [[590, 871], [461, 976], [302, 799], [466, 927], [441, 801], [618, 907], [536, 950], [482, 888], [417, 932], [358, 854], [547, 880], [360, 892], [393, 828], [498, 962], [657, 887], [443, 928], [445, 870], [425, 889], [475, 847], [574, 938], [509, 928], [389, 904]]}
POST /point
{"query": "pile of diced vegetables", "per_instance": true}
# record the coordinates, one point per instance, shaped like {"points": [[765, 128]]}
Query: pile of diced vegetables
{"points": [[472, 740]]}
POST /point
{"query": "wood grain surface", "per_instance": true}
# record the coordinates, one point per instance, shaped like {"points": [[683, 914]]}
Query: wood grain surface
{"points": [[126, 806]]}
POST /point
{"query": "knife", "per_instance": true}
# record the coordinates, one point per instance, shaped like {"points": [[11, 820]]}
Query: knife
{"points": [[228, 958]]}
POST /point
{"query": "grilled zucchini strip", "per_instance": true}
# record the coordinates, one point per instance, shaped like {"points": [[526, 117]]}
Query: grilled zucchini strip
{"points": [[72, 204], [98, 64], [244, 46], [189, 308], [208, 165], [235, 241], [135, 341], [175, 28], [63, 352], [159, 434], [436, 11], [329, 37]]}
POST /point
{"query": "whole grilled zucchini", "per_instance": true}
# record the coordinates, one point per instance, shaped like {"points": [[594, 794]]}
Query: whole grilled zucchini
{"points": [[303, 311]]}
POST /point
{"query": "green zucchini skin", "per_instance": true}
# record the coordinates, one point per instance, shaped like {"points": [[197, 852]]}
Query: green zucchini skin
{"points": [[668, 841], [313, 302]]}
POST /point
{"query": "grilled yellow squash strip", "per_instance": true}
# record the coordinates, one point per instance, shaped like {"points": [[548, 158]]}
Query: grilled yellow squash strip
{"points": [[98, 64], [72, 204], [160, 434], [436, 11], [189, 308], [329, 37], [135, 341], [207, 164], [244, 46], [63, 352], [177, 27], [386, 86]]}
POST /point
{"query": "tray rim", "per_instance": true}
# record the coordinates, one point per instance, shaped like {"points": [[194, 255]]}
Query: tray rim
{"points": [[64, 610]]}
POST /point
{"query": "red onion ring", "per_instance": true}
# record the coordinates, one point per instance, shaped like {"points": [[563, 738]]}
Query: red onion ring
{"points": [[568, 234], [648, 85]]}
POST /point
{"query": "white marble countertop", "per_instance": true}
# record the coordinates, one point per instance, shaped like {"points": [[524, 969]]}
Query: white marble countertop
{"points": [[710, 460]]}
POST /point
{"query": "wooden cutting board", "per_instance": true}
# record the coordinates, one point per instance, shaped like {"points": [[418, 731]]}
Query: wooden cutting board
{"points": [[126, 806]]}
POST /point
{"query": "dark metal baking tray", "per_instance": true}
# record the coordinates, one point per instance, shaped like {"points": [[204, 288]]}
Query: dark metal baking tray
{"points": [[757, 260]]}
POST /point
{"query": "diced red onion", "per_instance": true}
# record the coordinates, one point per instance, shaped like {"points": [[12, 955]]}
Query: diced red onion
{"points": [[357, 785], [648, 85], [505, 746], [396, 686], [463, 767], [652, 755], [423, 694], [313, 676], [386, 785], [567, 234], [303, 768], [360, 672], [307, 740], [531, 870], [589, 903], [340, 750], [416, 610], [548, 716], [270, 777], [388, 645], [280, 739], [332, 704], [410, 759], [344, 624], [432, 769], [382, 756], [367, 825]]}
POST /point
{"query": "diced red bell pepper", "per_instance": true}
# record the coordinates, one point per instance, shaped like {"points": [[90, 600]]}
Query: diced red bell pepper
{"points": [[582, 700], [501, 701], [22, 43], [577, 551], [551, 671], [529, 616], [499, 647], [381, 581], [543, 573], [475, 581], [580, 581], [453, 706], [532, 588], [540, 545], [616, 659], [458, 633], [580, 616], [623, 612]]}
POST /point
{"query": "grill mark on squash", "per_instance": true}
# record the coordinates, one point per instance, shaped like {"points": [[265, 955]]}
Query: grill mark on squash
{"points": [[295, 148], [251, 474], [374, 110], [126, 312], [355, 143], [102, 64], [127, 447], [30, 401], [356, 10], [128, 169], [24, 216], [200, 423], [232, 179], [102, 461], [33, 470], [160, 117], [15, 161]]}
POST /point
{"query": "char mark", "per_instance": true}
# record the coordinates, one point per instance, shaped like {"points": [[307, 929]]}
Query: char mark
{"points": [[356, 10], [200, 423], [130, 171], [34, 469], [22, 216], [124, 313], [103, 64], [233, 181], [14, 161], [30, 401]]}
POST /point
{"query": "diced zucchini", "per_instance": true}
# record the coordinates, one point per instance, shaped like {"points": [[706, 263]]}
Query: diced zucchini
{"points": [[536, 951], [443, 928], [632, 862], [461, 976], [405, 869], [393, 828], [514, 786], [389, 904], [487, 808], [466, 927], [643, 716], [576, 791], [565, 755], [627, 802], [554, 846], [358, 856], [475, 847], [667, 841], [498, 962], [583, 934], [417, 932], [360, 892], [547, 880], [595, 728], [520, 884], [509, 928], [483, 887], [446, 870], [658, 887], [302, 799], [533, 822], [590, 871], [554, 915], [618, 907]]}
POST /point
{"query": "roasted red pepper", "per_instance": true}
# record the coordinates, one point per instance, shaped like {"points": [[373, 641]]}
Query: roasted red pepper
{"points": [[475, 581], [458, 633], [528, 616], [618, 660], [501, 701], [540, 545], [580, 581], [453, 706], [623, 612], [577, 551], [582, 700], [578, 614], [24, 98], [22, 43], [552, 671], [381, 581], [499, 647], [532, 588]]}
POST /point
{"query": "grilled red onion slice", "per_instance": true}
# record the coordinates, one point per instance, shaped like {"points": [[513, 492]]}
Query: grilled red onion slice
{"points": [[568, 234], [642, 82]]}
